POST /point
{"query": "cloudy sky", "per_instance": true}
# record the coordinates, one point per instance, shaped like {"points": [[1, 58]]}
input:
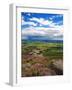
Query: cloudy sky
{"points": [[41, 26]]}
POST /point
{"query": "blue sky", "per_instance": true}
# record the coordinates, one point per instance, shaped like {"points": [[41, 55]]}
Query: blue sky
{"points": [[42, 26]]}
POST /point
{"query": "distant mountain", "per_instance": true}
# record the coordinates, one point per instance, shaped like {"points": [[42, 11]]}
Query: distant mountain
{"points": [[41, 39], [53, 41]]}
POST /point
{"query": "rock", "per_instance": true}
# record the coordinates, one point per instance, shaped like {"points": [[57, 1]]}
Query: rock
{"points": [[26, 65], [58, 64]]}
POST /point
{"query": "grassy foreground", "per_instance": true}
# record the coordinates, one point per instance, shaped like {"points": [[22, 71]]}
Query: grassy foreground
{"points": [[41, 58]]}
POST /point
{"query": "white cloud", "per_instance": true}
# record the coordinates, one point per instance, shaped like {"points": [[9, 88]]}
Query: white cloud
{"points": [[50, 23], [32, 31], [58, 27], [28, 14], [22, 18], [55, 30], [41, 21], [28, 23], [55, 16], [44, 32]]}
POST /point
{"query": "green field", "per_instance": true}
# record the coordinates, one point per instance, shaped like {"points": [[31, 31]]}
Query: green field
{"points": [[41, 58]]}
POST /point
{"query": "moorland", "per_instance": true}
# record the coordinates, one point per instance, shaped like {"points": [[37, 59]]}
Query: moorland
{"points": [[41, 58]]}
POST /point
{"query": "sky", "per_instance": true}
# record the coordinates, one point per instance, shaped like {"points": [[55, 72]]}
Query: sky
{"points": [[41, 26]]}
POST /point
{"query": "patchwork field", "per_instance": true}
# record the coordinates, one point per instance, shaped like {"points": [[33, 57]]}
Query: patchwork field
{"points": [[41, 58]]}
